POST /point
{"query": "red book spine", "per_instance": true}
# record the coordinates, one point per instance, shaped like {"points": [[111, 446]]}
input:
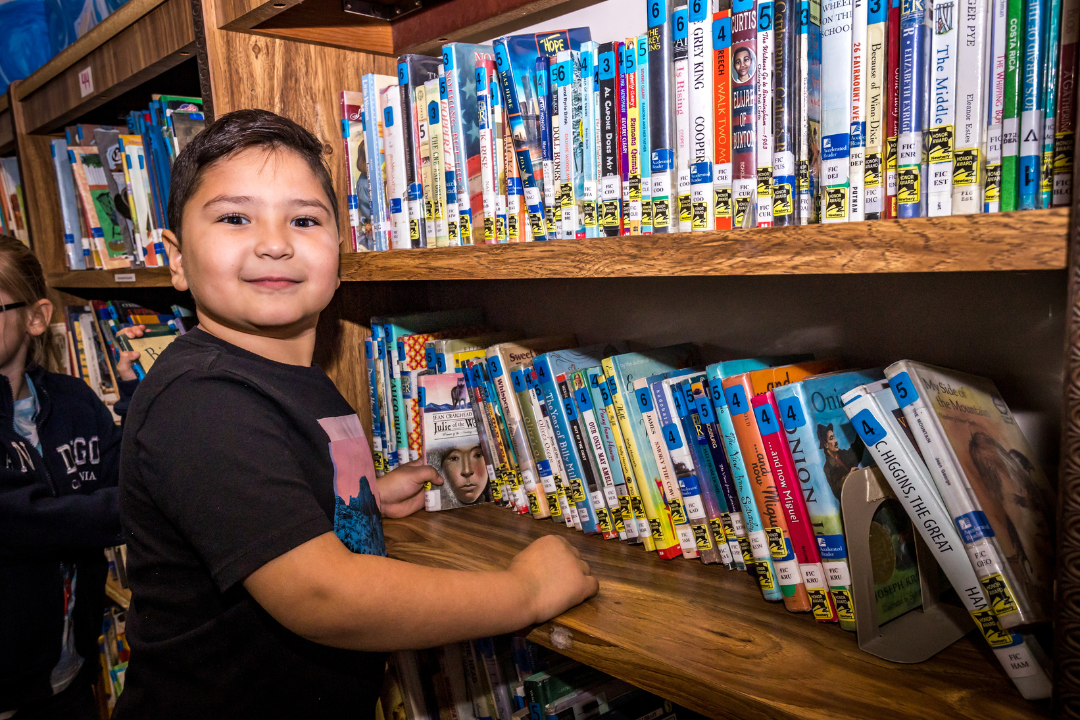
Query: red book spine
{"points": [[803, 539]]}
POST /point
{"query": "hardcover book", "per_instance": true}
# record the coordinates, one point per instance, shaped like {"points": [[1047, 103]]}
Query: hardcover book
{"points": [[451, 444]]}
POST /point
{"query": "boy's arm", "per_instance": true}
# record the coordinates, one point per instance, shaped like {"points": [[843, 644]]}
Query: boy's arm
{"points": [[32, 519], [324, 592]]}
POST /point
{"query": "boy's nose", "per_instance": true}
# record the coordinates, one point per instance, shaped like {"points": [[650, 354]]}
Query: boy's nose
{"points": [[274, 243]]}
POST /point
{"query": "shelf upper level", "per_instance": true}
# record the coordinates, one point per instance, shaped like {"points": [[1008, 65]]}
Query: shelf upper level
{"points": [[423, 31], [1028, 240], [704, 637], [139, 41], [119, 279]]}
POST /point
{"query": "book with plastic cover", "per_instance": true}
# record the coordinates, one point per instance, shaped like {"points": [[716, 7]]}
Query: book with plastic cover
{"points": [[452, 444]]}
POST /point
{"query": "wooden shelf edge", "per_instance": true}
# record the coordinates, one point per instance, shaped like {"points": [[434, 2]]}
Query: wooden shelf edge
{"points": [[128, 13], [7, 131], [1016, 241], [144, 278]]}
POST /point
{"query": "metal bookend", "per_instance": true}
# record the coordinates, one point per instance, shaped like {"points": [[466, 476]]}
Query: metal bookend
{"points": [[919, 634]]}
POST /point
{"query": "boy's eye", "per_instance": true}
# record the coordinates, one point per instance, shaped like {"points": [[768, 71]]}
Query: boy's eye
{"points": [[233, 220], [306, 222]]}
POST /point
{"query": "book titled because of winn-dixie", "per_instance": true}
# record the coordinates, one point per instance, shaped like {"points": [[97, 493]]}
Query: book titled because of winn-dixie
{"points": [[452, 444]]}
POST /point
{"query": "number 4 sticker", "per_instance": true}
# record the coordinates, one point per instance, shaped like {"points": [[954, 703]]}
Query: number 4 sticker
{"points": [[868, 427]]}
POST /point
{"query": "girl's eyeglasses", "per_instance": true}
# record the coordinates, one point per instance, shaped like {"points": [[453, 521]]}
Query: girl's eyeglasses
{"points": [[12, 306]]}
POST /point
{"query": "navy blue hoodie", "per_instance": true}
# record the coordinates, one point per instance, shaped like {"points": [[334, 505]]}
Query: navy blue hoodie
{"points": [[62, 507]]}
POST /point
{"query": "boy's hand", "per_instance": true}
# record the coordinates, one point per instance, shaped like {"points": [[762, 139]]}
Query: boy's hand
{"points": [[555, 577], [401, 490], [128, 357]]}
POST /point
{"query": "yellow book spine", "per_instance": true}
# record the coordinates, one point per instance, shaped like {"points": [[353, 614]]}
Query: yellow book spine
{"points": [[635, 511]]}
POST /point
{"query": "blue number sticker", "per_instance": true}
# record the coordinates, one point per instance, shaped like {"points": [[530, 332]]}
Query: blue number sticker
{"points": [[736, 399], [481, 79], [680, 408], [604, 394], [433, 112], [402, 74], [904, 389], [447, 59], [429, 358], [442, 88], [607, 65], [423, 397], [584, 399], [766, 420], [401, 350], [586, 64], [562, 74], [765, 17], [657, 16], [570, 409], [495, 367], [678, 19], [388, 116], [671, 436], [644, 398], [541, 371], [791, 414], [612, 387], [518, 379], [440, 363], [868, 427], [698, 10], [716, 388], [705, 410]]}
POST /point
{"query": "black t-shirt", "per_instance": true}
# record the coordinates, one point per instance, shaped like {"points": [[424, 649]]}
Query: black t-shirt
{"points": [[228, 461]]}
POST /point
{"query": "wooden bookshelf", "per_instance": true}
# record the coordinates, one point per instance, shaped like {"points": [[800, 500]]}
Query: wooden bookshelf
{"points": [[1029, 240], [704, 637], [424, 30], [141, 40], [7, 127], [119, 279], [120, 596]]}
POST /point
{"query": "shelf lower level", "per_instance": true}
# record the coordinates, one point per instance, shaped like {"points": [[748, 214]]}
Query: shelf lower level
{"points": [[1027, 240], [704, 637], [128, 278]]}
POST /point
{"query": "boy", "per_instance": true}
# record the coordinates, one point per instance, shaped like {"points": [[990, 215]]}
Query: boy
{"points": [[248, 495]]}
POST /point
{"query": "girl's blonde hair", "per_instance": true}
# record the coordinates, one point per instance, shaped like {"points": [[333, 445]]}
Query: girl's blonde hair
{"points": [[22, 277]]}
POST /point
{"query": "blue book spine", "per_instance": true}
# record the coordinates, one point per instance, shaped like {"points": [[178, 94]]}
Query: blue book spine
{"points": [[915, 18], [643, 123], [533, 193], [373, 145], [1031, 108], [373, 398], [560, 423], [544, 104]]}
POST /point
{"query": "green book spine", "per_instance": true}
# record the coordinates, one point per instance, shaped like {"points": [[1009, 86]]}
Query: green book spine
{"points": [[1010, 146]]}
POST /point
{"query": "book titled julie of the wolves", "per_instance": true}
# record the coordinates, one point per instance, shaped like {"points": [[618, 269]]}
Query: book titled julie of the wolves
{"points": [[451, 444]]}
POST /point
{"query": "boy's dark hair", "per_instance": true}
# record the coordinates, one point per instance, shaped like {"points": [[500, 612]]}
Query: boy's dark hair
{"points": [[236, 131]]}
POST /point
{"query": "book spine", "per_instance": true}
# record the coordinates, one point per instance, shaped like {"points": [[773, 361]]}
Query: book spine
{"points": [[453, 216], [604, 497], [661, 527], [943, 110], [681, 95], [786, 97], [376, 417], [533, 191], [515, 428], [911, 159], [617, 419], [587, 496], [711, 450], [373, 145], [1031, 105], [721, 135], [410, 145], [622, 514], [892, 115], [460, 88], [576, 160], [1050, 102], [796, 515], [1010, 123], [643, 114], [744, 111], [633, 139], [503, 159], [836, 21], [1006, 599], [755, 549], [551, 449], [877, 51], [996, 105], [586, 96], [553, 190], [438, 172], [397, 189], [484, 431], [511, 472], [702, 82], [530, 422], [69, 211], [1065, 126], [665, 217], [763, 120], [568, 449], [624, 139], [569, 199], [487, 147], [766, 494], [544, 97], [968, 176], [702, 505], [610, 178], [426, 181], [646, 406], [857, 142], [876, 425]]}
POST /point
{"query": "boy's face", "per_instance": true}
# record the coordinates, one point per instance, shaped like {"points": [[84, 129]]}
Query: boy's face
{"points": [[260, 245]]}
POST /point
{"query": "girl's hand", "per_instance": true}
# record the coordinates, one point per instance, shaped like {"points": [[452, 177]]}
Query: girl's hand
{"points": [[128, 357], [401, 490]]}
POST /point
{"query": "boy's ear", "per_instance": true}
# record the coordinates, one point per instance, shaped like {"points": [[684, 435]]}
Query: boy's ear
{"points": [[38, 318], [176, 260]]}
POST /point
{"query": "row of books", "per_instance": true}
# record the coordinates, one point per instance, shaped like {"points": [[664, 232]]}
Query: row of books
{"points": [[12, 206], [113, 654], [509, 678], [113, 183], [739, 463], [89, 343], [720, 116]]}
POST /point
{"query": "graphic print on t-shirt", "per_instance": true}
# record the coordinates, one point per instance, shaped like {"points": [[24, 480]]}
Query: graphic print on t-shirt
{"points": [[356, 502]]}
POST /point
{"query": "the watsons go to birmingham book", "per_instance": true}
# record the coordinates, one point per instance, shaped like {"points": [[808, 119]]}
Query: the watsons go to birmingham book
{"points": [[451, 443]]}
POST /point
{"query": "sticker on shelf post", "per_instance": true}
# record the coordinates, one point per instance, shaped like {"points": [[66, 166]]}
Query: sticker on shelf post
{"points": [[124, 277], [86, 82]]}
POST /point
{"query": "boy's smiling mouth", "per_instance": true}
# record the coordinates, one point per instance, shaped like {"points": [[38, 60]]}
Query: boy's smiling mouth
{"points": [[273, 282]]}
